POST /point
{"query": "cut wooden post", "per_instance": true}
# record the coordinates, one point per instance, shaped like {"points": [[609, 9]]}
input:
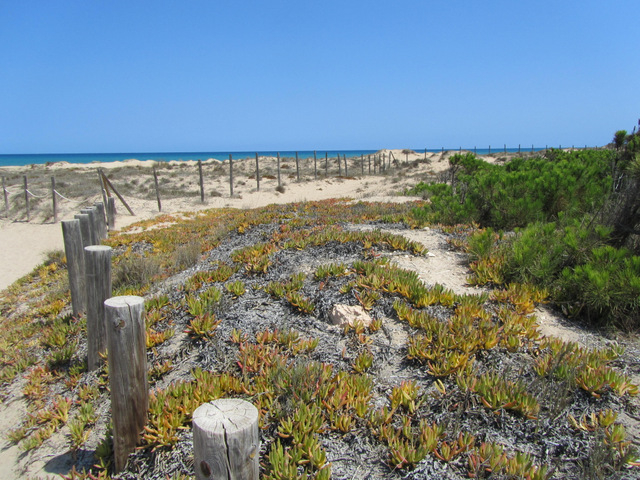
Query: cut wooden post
{"points": [[85, 229], [339, 166], [201, 181], [26, 197], [97, 264], [369, 161], [101, 220], [257, 173], [326, 164], [111, 213], [6, 197], [124, 322], [346, 170], [73, 249], [230, 175], [155, 182], [226, 442], [362, 164], [278, 160], [315, 165], [54, 200], [93, 223], [297, 168]]}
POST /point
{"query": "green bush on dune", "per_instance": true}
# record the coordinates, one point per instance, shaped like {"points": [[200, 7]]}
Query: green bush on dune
{"points": [[575, 216]]}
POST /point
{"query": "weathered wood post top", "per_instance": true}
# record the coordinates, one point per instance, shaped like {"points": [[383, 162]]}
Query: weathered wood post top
{"points": [[226, 440]]}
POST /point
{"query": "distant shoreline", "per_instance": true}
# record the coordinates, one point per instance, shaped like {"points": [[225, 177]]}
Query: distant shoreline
{"points": [[26, 159]]}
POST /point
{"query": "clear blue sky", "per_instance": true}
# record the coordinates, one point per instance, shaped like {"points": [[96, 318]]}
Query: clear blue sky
{"points": [[218, 75]]}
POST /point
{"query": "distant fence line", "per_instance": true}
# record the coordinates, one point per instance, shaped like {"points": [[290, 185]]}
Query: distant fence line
{"points": [[371, 164]]}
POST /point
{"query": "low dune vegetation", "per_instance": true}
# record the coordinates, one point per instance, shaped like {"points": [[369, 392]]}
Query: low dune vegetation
{"points": [[440, 384]]}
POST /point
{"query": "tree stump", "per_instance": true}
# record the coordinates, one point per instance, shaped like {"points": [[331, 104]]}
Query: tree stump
{"points": [[226, 442]]}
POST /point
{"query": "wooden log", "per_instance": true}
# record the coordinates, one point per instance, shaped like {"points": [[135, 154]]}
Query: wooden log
{"points": [[103, 187], [85, 229], [155, 182], [126, 205], [257, 173], [73, 249], [26, 197], [124, 321], [101, 220], [226, 442], [6, 196], [278, 160], [54, 200], [230, 176], [97, 264], [201, 181], [111, 213]]}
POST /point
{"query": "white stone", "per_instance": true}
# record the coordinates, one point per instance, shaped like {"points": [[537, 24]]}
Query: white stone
{"points": [[347, 314]]}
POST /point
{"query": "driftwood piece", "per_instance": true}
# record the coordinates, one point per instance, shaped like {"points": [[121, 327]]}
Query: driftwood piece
{"points": [[73, 249], [226, 442], [124, 321], [97, 264]]}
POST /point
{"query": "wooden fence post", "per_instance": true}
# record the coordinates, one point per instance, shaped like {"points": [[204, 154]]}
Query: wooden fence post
{"points": [[362, 164], [297, 168], [103, 186], [369, 160], [124, 322], [111, 213], [85, 229], [155, 182], [278, 159], [201, 181], [6, 197], [110, 185], [257, 172], [339, 166], [226, 442], [97, 264], [489, 149], [315, 166], [72, 237], [326, 164], [54, 200], [346, 171], [230, 176], [93, 223], [26, 197], [101, 221]]}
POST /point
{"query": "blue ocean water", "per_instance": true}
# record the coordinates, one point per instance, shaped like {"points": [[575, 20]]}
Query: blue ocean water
{"points": [[44, 158]]}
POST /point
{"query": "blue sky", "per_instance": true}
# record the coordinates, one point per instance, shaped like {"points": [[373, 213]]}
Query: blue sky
{"points": [[135, 76]]}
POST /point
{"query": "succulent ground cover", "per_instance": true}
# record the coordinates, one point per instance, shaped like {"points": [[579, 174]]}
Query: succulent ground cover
{"points": [[440, 385]]}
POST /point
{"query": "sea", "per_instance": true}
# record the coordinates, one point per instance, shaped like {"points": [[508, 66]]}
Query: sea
{"points": [[19, 160]]}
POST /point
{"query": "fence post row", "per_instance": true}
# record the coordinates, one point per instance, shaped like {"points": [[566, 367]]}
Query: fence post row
{"points": [[124, 325]]}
